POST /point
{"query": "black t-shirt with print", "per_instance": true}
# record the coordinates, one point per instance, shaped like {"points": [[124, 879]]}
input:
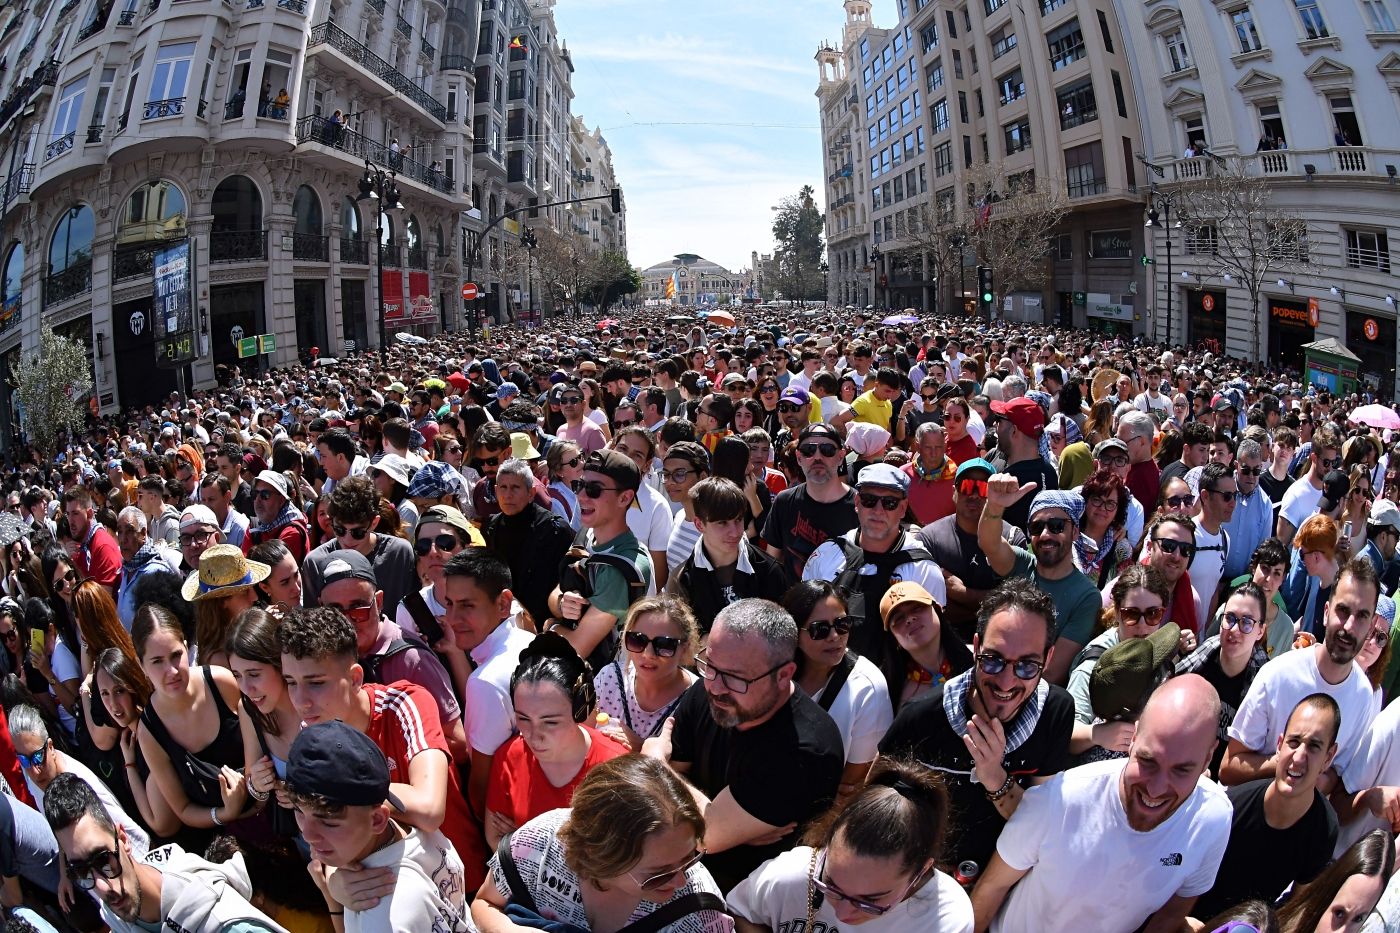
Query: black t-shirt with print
{"points": [[785, 770], [797, 524], [921, 731]]}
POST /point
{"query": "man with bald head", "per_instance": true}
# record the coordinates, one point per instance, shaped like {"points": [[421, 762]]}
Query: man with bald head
{"points": [[1153, 817]]}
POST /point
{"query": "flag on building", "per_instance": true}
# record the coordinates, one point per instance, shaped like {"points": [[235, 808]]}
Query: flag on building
{"points": [[671, 287], [518, 43]]}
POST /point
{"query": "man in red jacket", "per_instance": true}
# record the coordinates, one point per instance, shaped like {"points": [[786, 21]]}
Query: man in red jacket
{"points": [[277, 517], [96, 556]]}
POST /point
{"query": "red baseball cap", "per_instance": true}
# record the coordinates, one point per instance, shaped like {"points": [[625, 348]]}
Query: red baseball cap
{"points": [[1023, 413]]}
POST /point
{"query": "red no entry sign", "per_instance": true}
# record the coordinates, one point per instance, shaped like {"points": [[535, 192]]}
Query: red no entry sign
{"points": [[469, 291]]}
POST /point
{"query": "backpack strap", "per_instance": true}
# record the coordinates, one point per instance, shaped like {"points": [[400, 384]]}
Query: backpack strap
{"points": [[636, 586], [373, 662], [519, 892], [839, 676], [1091, 653], [676, 909]]}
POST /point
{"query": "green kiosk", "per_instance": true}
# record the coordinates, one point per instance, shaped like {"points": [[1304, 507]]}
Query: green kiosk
{"points": [[1329, 365]]}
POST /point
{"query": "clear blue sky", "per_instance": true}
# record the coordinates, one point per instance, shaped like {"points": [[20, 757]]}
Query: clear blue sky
{"points": [[710, 112]]}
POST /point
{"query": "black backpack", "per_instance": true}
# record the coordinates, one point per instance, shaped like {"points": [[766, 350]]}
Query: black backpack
{"points": [[578, 574], [864, 592]]}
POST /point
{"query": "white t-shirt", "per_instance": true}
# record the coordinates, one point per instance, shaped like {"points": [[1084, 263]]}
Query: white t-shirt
{"points": [[1376, 763], [775, 896], [65, 667], [539, 857], [828, 560], [1206, 568], [487, 711], [1145, 402], [1069, 829], [833, 408], [651, 524], [862, 711], [1299, 502], [430, 889], [1287, 679]]}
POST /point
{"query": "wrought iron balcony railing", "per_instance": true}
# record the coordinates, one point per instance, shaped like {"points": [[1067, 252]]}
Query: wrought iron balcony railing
{"points": [[346, 44], [237, 245], [172, 107]]}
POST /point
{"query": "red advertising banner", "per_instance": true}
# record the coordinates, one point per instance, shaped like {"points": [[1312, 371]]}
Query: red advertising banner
{"points": [[420, 301], [393, 295]]}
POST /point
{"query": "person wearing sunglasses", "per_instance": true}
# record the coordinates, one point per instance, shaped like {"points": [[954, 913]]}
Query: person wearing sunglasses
{"points": [[1252, 522], [1055, 518], [992, 728], [630, 846], [577, 427], [822, 506], [1217, 504], [138, 890], [338, 782], [530, 538], [766, 755], [353, 508], [1305, 495], [878, 551], [849, 687], [277, 516], [1135, 809], [1139, 605], [846, 878], [639, 689]]}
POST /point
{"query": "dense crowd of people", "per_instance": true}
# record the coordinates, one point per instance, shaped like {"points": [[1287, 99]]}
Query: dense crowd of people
{"points": [[800, 623]]}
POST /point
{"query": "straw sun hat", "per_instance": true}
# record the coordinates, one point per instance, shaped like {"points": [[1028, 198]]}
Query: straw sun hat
{"points": [[222, 570]]}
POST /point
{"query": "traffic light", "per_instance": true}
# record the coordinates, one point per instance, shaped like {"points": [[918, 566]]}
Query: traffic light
{"points": [[986, 294], [1146, 261], [617, 200]]}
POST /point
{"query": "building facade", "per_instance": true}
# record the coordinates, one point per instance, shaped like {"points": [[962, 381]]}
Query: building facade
{"points": [[1306, 97], [240, 134], [699, 282]]}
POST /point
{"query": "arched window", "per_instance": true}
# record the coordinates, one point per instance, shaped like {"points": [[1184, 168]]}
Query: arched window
{"points": [[236, 233], [11, 286], [386, 230], [70, 256], [349, 220], [306, 208], [154, 211]]}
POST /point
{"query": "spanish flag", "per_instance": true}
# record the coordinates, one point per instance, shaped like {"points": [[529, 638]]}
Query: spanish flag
{"points": [[671, 287], [518, 42]]}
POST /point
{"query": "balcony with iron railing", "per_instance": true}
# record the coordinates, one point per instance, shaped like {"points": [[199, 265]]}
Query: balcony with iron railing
{"points": [[126, 18], [377, 6], [345, 45], [70, 283], [237, 246], [427, 48], [417, 258], [311, 247], [98, 21], [19, 182], [44, 76], [296, 6], [135, 261], [390, 256], [360, 148], [354, 249], [157, 109], [60, 145], [457, 62], [403, 27], [68, 7], [94, 134]]}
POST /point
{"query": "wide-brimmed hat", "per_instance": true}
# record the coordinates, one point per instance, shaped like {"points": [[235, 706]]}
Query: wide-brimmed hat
{"points": [[1129, 671], [223, 569], [1102, 385]]}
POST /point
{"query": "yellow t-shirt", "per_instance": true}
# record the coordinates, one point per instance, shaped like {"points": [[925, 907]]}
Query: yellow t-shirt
{"points": [[872, 410]]}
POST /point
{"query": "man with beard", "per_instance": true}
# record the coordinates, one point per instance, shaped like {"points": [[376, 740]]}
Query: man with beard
{"points": [[169, 885], [1153, 817], [1054, 523], [996, 729], [823, 507], [762, 756], [1322, 668]]}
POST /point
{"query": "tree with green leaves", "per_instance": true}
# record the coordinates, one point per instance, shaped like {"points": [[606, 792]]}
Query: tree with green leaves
{"points": [[51, 386], [797, 261]]}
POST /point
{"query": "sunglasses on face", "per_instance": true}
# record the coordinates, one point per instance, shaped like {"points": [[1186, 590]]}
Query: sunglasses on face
{"points": [[1172, 546], [264, 494], [660, 880], [1250, 471], [1133, 615], [1245, 624], [821, 631], [976, 488], [570, 400], [993, 664], [11, 635], [446, 544], [360, 612], [593, 489], [1180, 502], [869, 500], [357, 534], [1053, 525], [929, 398], [765, 390], [788, 408], [34, 759], [1330, 463], [825, 449], [83, 872], [664, 646], [954, 417], [1226, 495], [489, 461]]}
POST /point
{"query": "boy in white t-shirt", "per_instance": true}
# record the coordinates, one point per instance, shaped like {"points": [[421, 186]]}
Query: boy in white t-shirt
{"points": [[339, 783]]}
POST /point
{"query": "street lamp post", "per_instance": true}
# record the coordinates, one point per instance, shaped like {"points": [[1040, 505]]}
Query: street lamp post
{"points": [[959, 243], [875, 276], [379, 188], [1159, 216], [527, 240]]}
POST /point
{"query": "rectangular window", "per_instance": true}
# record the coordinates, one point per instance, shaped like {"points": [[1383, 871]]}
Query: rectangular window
{"points": [[952, 25], [945, 206], [104, 94], [957, 64], [943, 159], [484, 38], [928, 36], [918, 105], [171, 76], [1066, 45], [919, 135], [1178, 53], [1084, 170], [866, 75], [869, 105], [1271, 121], [967, 151], [1118, 97], [1246, 36], [864, 49], [1077, 104], [962, 107], [1378, 15], [1011, 86], [923, 179], [898, 44], [1049, 6], [1368, 249], [1003, 41], [1314, 27], [981, 110], [940, 116], [935, 75], [884, 128], [1064, 247], [66, 114], [1017, 136], [898, 190], [972, 58], [903, 75], [879, 96], [875, 166], [991, 6], [1105, 32], [1200, 240], [874, 136]]}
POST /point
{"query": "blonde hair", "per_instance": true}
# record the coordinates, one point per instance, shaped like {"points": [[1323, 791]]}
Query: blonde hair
{"points": [[676, 611]]}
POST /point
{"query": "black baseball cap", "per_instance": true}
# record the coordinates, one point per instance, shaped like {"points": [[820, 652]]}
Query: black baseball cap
{"points": [[616, 466], [340, 763]]}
